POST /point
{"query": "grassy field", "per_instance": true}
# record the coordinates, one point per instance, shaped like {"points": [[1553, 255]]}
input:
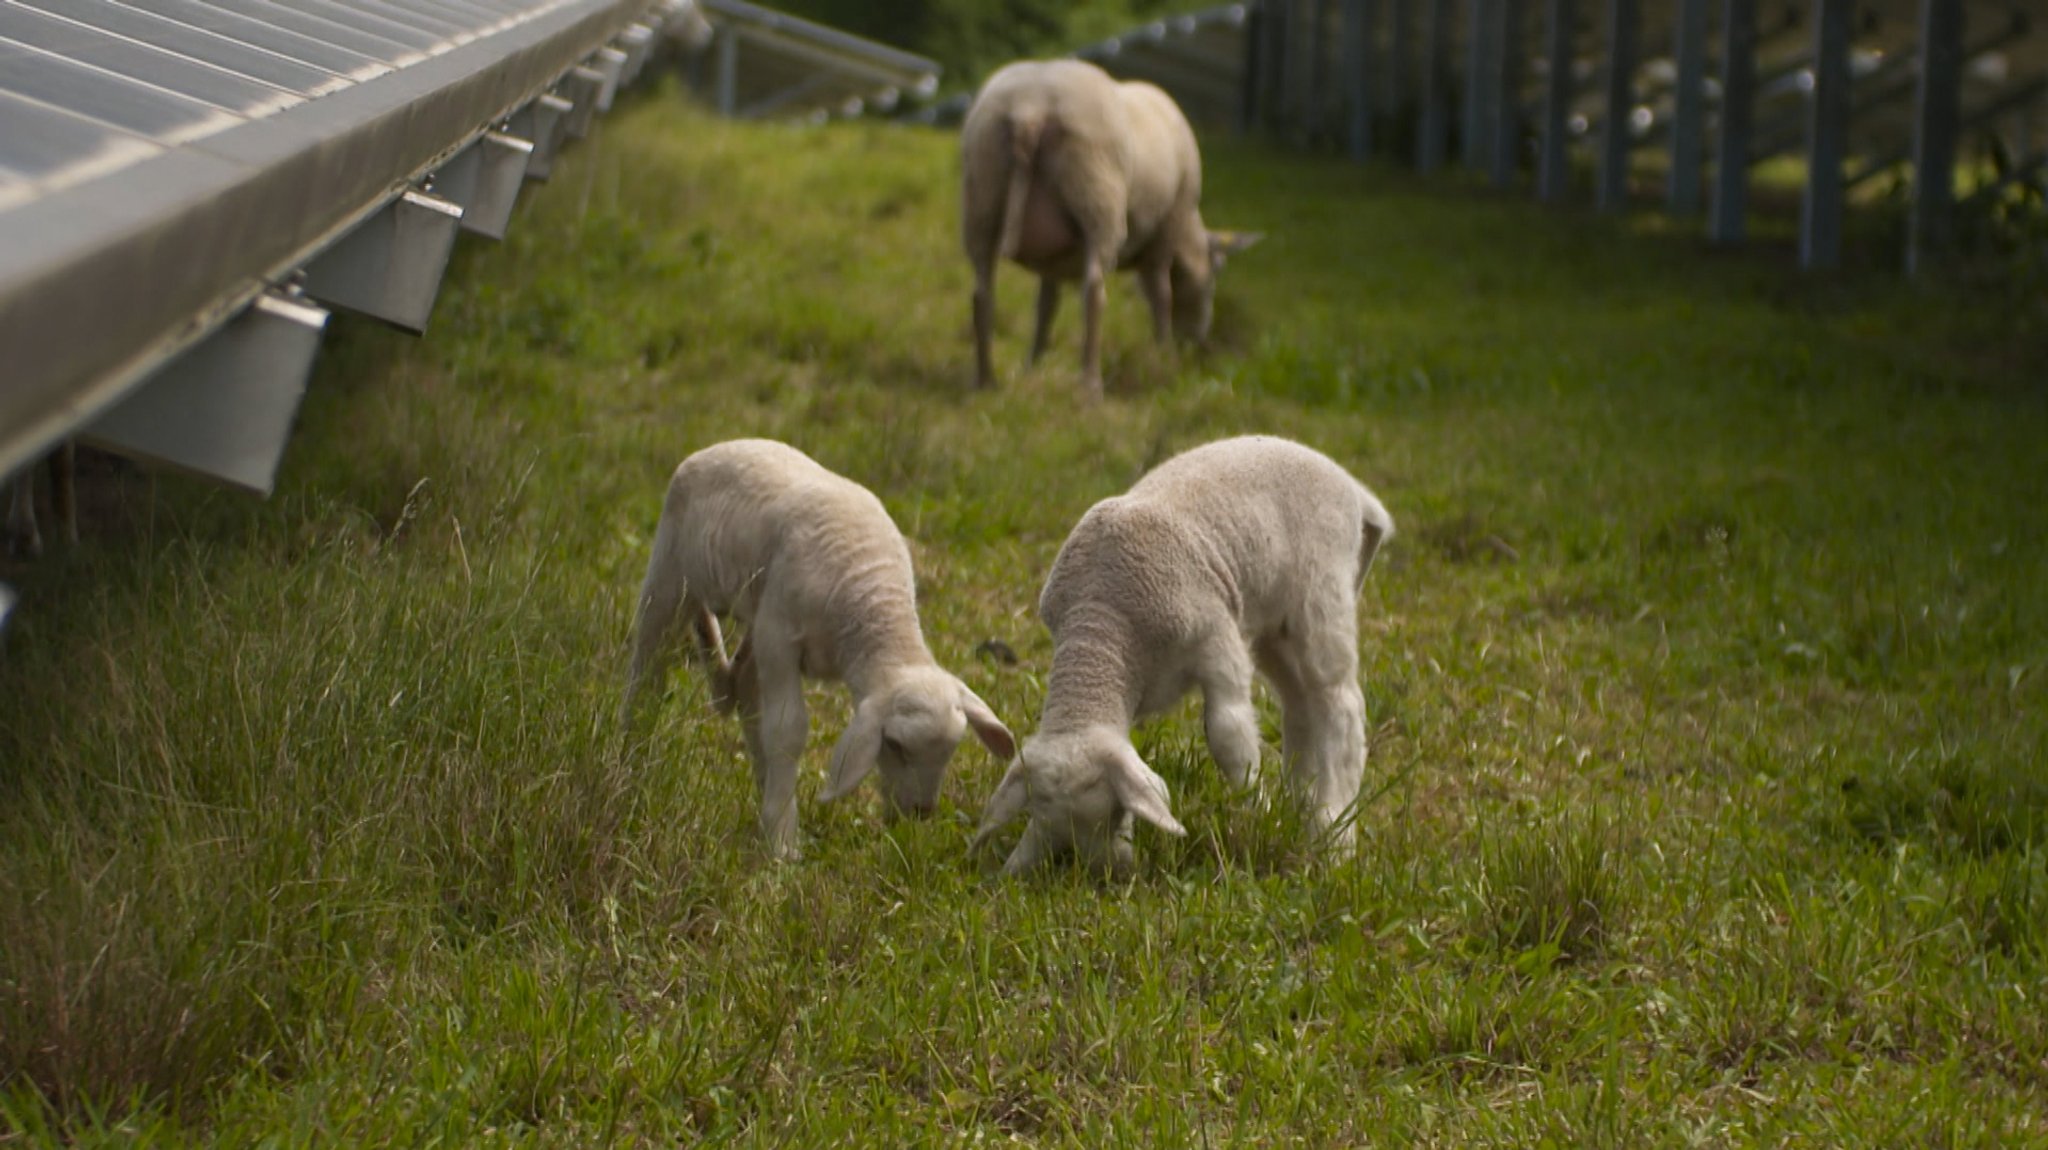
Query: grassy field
{"points": [[1706, 680]]}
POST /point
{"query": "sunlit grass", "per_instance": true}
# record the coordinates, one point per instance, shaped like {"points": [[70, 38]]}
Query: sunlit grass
{"points": [[1705, 679]]}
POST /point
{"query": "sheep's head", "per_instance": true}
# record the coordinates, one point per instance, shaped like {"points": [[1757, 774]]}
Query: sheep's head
{"points": [[906, 732], [1195, 268], [1079, 791]]}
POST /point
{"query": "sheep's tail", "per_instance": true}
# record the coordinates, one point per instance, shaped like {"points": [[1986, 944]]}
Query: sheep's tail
{"points": [[661, 600], [1377, 527], [1024, 134]]}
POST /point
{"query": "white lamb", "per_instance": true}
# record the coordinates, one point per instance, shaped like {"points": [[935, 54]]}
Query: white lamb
{"points": [[813, 566], [1246, 552]]}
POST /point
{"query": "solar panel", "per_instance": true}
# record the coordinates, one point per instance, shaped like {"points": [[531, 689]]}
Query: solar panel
{"points": [[213, 36], [180, 74], [41, 141], [342, 33], [104, 96], [236, 43]]}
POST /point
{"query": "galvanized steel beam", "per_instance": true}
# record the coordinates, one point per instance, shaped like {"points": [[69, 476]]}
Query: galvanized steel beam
{"points": [[1359, 73], [1820, 210], [1727, 221], [1400, 49], [1434, 123], [1553, 172], [1937, 123], [1479, 31], [1510, 48], [1624, 21], [1688, 107], [1315, 83]]}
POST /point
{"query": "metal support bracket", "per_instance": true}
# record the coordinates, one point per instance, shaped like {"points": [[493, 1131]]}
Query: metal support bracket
{"points": [[484, 180], [609, 63], [638, 42], [581, 86], [543, 121], [390, 266], [224, 408]]}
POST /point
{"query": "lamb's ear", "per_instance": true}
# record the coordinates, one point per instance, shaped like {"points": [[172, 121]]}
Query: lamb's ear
{"points": [[1003, 806], [1142, 791], [989, 729], [854, 756], [1223, 245]]}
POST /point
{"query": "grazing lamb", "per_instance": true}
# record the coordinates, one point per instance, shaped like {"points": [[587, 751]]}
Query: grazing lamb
{"points": [[1072, 174], [1246, 552], [812, 564]]}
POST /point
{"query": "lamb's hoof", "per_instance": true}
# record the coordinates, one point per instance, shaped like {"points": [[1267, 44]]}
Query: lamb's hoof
{"points": [[998, 650]]}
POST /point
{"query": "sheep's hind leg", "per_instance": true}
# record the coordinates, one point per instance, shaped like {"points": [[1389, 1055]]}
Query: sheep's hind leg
{"points": [[1157, 283], [984, 322], [1048, 306], [1322, 730], [1094, 300]]}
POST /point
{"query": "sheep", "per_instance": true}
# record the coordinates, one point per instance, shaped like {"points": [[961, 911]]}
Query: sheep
{"points": [[812, 565], [1071, 174], [1243, 553]]}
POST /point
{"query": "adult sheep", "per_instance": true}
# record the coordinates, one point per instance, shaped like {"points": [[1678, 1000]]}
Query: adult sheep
{"points": [[1071, 174], [1245, 553]]}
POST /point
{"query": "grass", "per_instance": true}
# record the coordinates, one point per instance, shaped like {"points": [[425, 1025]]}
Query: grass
{"points": [[1706, 682]]}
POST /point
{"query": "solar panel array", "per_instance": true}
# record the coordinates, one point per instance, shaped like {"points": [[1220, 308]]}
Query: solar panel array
{"points": [[90, 86], [163, 161], [768, 64]]}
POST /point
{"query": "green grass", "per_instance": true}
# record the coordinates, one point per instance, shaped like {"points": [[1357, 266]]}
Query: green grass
{"points": [[1706, 679]]}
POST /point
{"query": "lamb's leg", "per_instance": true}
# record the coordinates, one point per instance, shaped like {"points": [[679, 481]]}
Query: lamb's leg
{"points": [[1228, 717], [1315, 672], [1157, 282], [1330, 765], [1094, 299], [776, 733], [1031, 850], [1048, 305], [984, 321]]}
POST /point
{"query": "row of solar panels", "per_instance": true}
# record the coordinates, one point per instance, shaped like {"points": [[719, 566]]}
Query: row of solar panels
{"points": [[187, 185], [163, 162]]}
